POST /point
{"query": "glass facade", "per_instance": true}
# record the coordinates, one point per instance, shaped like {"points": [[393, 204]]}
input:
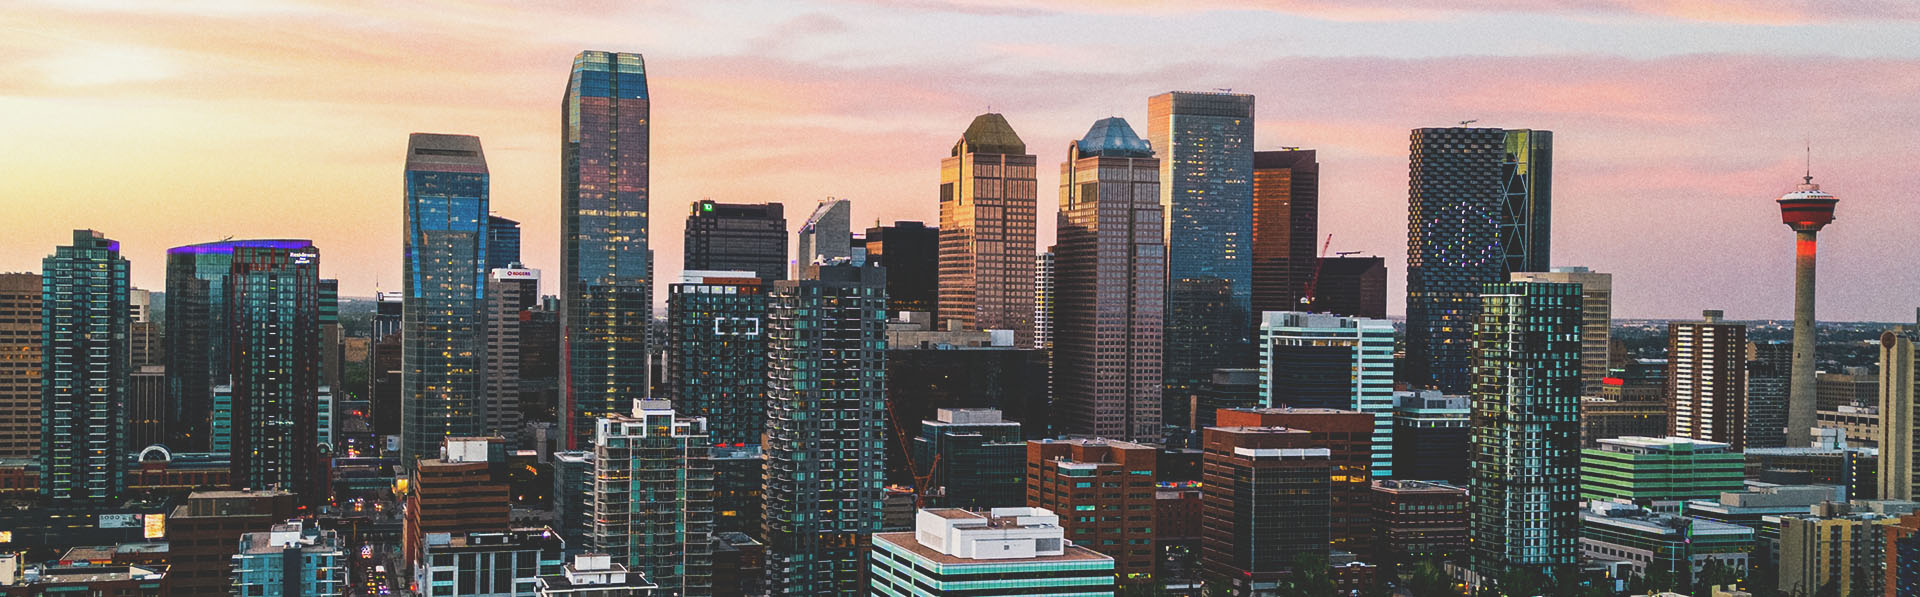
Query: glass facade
{"points": [[273, 296], [1326, 361], [653, 496], [1205, 145], [606, 265], [1469, 199], [503, 242], [730, 236], [197, 356], [84, 359], [717, 355], [1286, 230], [987, 212], [443, 320]]}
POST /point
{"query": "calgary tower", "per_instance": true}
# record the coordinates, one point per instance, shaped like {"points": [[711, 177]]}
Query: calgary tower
{"points": [[1806, 210]]}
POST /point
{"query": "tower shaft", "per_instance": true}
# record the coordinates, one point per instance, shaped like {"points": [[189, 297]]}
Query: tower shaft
{"points": [[1801, 397]]}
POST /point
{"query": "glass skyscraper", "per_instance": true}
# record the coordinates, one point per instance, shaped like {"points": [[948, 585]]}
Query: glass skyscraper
{"points": [[274, 310], [197, 356], [717, 352], [443, 320], [736, 236], [1477, 211], [606, 267], [84, 360], [1205, 145], [503, 243]]}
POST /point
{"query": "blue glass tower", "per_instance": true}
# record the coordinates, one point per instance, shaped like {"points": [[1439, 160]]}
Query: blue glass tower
{"points": [[606, 267], [84, 358], [443, 323], [197, 332], [274, 315], [1205, 145], [503, 243]]}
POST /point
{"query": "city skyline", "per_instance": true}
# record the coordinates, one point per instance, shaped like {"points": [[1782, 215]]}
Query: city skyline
{"points": [[1667, 123]]}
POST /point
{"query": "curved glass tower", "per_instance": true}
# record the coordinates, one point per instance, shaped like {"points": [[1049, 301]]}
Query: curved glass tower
{"points": [[443, 323]]}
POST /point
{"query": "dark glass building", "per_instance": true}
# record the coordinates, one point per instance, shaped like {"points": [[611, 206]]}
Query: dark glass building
{"points": [[717, 352], [1430, 437], [1352, 286], [972, 459], [1266, 502], [738, 472], [443, 321], [503, 243], [826, 397], [1525, 441], [911, 253], [197, 355], [606, 265], [1286, 229], [273, 296], [1478, 210], [1228, 388], [738, 237], [84, 360]]}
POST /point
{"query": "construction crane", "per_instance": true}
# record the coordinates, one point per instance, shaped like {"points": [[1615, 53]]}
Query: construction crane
{"points": [[1346, 253], [920, 481], [1467, 122], [1307, 299]]}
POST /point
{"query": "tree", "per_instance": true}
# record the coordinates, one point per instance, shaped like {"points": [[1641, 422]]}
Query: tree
{"points": [[1519, 582], [1715, 573], [1310, 577], [1429, 579]]}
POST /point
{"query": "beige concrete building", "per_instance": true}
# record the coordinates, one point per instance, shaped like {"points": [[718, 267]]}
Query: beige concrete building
{"points": [[1596, 321]]}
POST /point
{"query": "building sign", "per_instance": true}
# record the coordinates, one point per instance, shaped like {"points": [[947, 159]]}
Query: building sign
{"points": [[155, 526], [118, 521]]}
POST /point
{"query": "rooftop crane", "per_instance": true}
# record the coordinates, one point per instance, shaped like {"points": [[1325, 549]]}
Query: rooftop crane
{"points": [[1307, 299]]}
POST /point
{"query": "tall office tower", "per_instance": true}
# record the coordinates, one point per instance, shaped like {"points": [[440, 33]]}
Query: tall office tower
{"points": [[1043, 301], [827, 235], [1266, 504], [197, 355], [988, 202], [1596, 328], [443, 321], [826, 393], [503, 243], [511, 291], [1109, 287], [273, 301], [1766, 406], [1431, 432], [606, 263], [921, 380], [1286, 229], [19, 365], [737, 236], [83, 360], [143, 333], [1806, 210], [1526, 429], [1345, 434], [1115, 520], [383, 384], [1352, 286], [717, 352], [973, 457], [1205, 142], [388, 308], [1326, 361], [653, 496], [911, 253], [1707, 380], [1478, 209], [573, 499], [1899, 377], [333, 347]]}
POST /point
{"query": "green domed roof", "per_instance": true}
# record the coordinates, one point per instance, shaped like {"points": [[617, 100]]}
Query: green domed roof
{"points": [[990, 133]]}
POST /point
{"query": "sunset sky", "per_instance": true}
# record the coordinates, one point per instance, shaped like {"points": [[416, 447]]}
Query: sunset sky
{"points": [[169, 123]]}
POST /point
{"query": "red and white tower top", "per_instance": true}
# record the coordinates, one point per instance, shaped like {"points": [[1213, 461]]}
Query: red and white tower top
{"points": [[1807, 209]]}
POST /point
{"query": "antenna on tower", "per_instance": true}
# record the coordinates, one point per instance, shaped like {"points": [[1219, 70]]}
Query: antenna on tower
{"points": [[1809, 178]]}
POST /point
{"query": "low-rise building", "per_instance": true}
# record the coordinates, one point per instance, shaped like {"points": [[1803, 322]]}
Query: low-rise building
{"points": [[1418, 520], [593, 575], [116, 580], [488, 564], [1659, 472], [1678, 546], [294, 559], [958, 552]]}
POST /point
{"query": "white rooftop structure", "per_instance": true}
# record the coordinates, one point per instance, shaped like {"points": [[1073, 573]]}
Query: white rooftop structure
{"points": [[1000, 534]]}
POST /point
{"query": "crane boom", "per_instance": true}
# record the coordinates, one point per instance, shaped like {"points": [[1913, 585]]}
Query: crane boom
{"points": [[1307, 298]]}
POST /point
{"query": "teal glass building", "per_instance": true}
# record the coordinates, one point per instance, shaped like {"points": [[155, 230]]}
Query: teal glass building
{"points": [[84, 360], [443, 320], [197, 355], [717, 352]]}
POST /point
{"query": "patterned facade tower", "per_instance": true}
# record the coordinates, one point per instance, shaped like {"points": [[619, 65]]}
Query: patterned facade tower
{"points": [[1110, 278], [84, 359], [274, 310], [443, 320], [606, 265], [1707, 380], [987, 208], [1478, 209]]}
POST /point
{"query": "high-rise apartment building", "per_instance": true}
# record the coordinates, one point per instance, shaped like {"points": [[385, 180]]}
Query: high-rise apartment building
{"points": [[511, 292], [1043, 300], [1478, 209], [1347, 437], [273, 300], [826, 393], [1205, 145], [911, 253], [1596, 327], [1526, 428], [1899, 449], [198, 331], [1351, 286], [1707, 380], [606, 261], [1110, 284], [737, 237], [717, 352], [827, 235], [653, 496], [1327, 361], [975, 459], [1107, 487], [84, 367], [988, 206], [443, 321], [19, 365], [1266, 504], [1286, 229]]}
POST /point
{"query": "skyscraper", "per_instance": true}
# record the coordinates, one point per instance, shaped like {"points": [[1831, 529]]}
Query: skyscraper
{"points": [[1524, 508], [1806, 210], [717, 352], [443, 320], [1477, 210], [273, 299], [511, 291], [20, 344], [1345, 437], [1899, 378], [503, 243], [827, 235], [826, 393], [1596, 328], [1110, 284], [1707, 380], [911, 253], [1043, 301], [653, 496], [1205, 145], [988, 204], [83, 360], [1311, 360], [737, 236], [1286, 228], [1351, 286], [197, 355], [606, 263]]}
